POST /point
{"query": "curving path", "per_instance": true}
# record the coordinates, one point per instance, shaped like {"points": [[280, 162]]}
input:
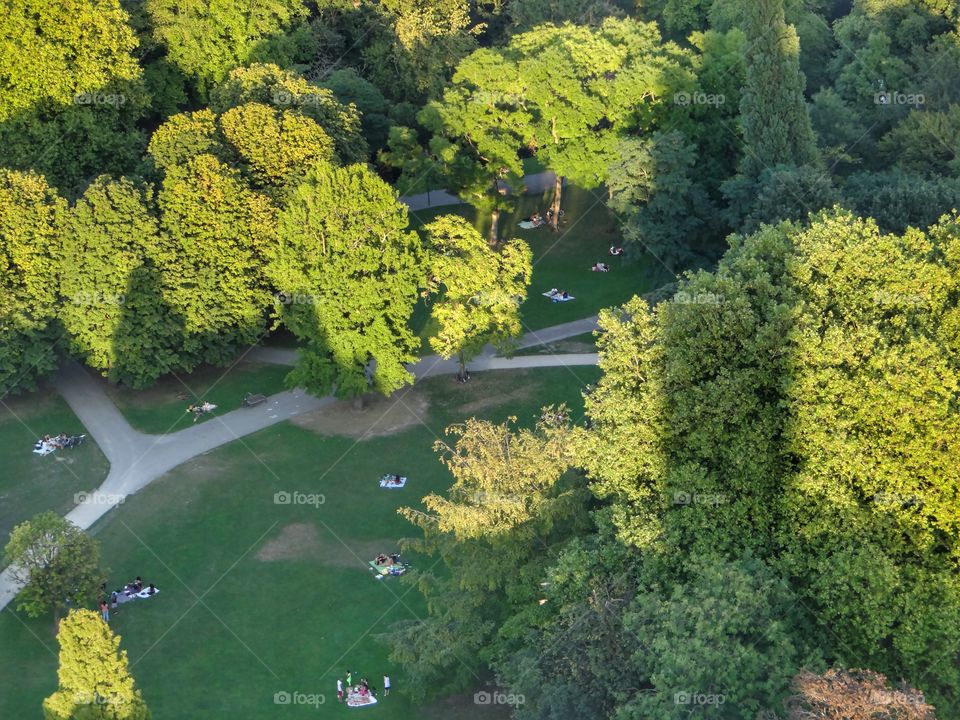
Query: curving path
{"points": [[137, 459]]}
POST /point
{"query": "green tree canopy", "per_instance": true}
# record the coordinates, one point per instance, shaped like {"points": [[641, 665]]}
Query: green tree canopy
{"points": [[481, 288], [270, 85], [207, 39], [348, 272], [219, 231], [56, 562], [30, 217], [113, 306]]}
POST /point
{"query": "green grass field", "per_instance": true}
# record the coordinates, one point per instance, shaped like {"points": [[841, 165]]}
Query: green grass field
{"points": [[259, 598], [29, 483], [162, 408]]}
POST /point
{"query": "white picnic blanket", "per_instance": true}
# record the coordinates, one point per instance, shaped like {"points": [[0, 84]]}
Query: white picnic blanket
{"points": [[143, 594], [389, 484], [358, 700], [557, 297], [44, 449], [527, 225]]}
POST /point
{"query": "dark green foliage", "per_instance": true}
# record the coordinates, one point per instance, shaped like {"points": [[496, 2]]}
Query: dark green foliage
{"points": [[665, 211], [896, 200], [348, 272], [219, 231], [776, 125], [30, 216], [111, 284]]}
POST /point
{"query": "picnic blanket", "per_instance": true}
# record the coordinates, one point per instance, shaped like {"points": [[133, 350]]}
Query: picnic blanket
{"points": [[527, 225], [387, 482], [44, 448], [556, 297], [384, 570], [355, 699], [143, 594]]}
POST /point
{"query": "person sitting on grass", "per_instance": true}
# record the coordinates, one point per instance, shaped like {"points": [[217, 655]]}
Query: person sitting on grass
{"points": [[382, 559], [601, 267], [615, 251]]}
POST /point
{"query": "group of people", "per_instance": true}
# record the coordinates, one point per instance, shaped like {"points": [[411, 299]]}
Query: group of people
{"points": [[199, 409], [131, 591], [360, 694], [558, 294], [392, 559], [48, 444]]}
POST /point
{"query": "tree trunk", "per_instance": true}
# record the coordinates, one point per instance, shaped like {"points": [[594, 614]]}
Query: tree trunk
{"points": [[555, 205], [463, 366], [358, 402], [494, 222]]}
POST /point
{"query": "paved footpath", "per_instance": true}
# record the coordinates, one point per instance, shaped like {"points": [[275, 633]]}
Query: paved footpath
{"points": [[136, 459]]}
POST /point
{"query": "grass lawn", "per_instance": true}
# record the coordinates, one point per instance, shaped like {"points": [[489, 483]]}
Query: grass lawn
{"points": [[29, 483], [162, 408], [563, 260], [286, 601]]}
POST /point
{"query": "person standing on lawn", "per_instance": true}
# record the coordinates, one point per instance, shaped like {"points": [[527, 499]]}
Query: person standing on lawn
{"points": [[386, 685], [339, 690]]}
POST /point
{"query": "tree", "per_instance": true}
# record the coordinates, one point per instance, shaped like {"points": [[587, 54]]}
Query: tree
{"points": [[219, 230], [348, 272], [781, 192], [81, 118], [353, 90], [896, 200], [512, 507], [726, 642], [113, 306], [30, 216], [926, 143], [276, 146], [481, 289], [776, 125], [478, 128], [270, 85], [854, 695], [56, 562], [206, 40], [410, 47], [94, 680], [665, 211], [585, 87]]}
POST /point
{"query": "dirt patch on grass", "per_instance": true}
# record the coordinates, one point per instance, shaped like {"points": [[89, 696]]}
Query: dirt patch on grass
{"points": [[380, 416], [299, 541], [294, 541], [493, 397]]}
